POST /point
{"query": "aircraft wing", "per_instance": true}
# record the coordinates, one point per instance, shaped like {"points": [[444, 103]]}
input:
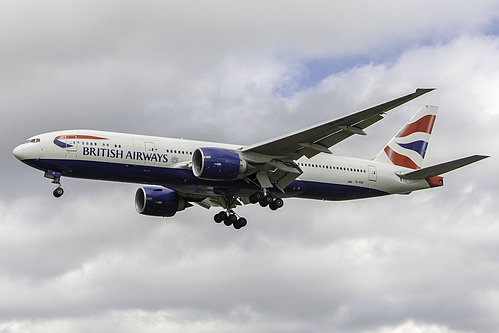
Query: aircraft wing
{"points": [[319, 138]]}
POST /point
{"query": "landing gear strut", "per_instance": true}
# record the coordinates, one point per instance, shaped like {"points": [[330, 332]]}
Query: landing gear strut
{"points": [[56, 179]]}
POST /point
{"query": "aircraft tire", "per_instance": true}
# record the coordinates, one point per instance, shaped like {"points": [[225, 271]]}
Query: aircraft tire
{"points": [[218, 218], [256, 197], [58, 192], [252, 199], [241, 222], [268, 198], [279, 202], [232, 218]]}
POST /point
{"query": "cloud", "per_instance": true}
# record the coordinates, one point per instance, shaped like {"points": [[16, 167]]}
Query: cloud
{"points": [[422, 262]]}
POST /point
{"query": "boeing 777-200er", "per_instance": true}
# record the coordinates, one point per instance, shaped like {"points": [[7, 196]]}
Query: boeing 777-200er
{"points": [[180, 173]]}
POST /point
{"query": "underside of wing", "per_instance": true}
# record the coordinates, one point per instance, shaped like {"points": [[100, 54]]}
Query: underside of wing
{"points": [[319, 138], [221, 201]]}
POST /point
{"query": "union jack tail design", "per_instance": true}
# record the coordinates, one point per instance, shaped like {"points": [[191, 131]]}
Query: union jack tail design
{"points": [[408, 148]]}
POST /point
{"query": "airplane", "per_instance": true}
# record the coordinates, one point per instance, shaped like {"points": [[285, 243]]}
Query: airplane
{"points": [[179, 173]]}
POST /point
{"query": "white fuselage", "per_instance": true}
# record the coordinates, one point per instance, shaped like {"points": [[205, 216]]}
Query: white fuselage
{"points": [[166, 161]]}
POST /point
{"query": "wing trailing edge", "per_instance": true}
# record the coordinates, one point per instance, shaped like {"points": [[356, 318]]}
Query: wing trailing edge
{"points": [[319, 138]]}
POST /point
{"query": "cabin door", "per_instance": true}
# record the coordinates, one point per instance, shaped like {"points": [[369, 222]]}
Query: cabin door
{"points": [[372, 173]]}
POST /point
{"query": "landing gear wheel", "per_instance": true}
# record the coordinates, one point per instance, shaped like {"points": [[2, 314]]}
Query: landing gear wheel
{"points": [[229, 219], [240, 223], [268, 198], [279, 202], [218, 218], [276, 204], [58, 192], [222, 215], [256, 197], [232, 218]]}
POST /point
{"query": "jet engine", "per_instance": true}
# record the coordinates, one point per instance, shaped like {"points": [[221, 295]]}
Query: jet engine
{"points": [[218, 164], [158, 201]]}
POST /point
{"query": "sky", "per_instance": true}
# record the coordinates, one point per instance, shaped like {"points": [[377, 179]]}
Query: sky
{"points": [[243, 72]]}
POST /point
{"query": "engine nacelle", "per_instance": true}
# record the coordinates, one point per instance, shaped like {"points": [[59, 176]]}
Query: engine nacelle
{"points": [[217, 164], [158, 201]]}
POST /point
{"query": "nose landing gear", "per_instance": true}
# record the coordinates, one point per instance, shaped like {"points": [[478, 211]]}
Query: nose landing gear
{"points": [[56, 179]]}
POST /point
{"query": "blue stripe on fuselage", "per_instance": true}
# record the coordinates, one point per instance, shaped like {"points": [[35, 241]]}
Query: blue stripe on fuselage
{"points": [[183, 180]]}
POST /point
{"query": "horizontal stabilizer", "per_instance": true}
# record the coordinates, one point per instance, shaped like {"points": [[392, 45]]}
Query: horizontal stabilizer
{"points": [[439, 169]]}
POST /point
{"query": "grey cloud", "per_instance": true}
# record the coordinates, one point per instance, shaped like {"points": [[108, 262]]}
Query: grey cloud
{"points": [[88, 261]]}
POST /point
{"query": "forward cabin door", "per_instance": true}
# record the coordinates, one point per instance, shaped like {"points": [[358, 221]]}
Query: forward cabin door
{"points": [[71, 145]]}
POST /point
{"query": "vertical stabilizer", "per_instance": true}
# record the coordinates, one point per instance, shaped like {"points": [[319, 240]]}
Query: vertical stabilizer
{"points": [[408, 148]]}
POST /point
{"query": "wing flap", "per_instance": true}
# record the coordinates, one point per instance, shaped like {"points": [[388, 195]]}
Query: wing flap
{"points": [[337, 137]]}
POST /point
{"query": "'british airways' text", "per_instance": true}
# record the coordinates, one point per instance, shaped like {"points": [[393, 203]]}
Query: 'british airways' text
{"points": [[130, 155]]}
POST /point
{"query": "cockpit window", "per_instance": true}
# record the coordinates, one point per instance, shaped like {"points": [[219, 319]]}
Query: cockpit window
{"points": [[35, 140]]}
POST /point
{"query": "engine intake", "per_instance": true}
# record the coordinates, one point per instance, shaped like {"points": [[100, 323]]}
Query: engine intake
{"points": [[218, 164], [158, 201]]}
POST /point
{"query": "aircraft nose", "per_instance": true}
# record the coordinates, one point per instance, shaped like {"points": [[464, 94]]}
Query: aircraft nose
{"points": [[18, 152]]}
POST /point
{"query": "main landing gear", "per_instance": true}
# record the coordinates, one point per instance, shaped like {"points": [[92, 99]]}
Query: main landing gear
{"points": [[229, 217], [266, 200]]}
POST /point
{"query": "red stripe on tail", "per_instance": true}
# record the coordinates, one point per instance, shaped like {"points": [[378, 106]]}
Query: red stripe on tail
{"points": [[399, 159], [424, 124]]}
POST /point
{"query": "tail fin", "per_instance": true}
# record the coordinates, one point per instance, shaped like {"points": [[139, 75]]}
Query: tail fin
{"points": [[408, 148]]}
